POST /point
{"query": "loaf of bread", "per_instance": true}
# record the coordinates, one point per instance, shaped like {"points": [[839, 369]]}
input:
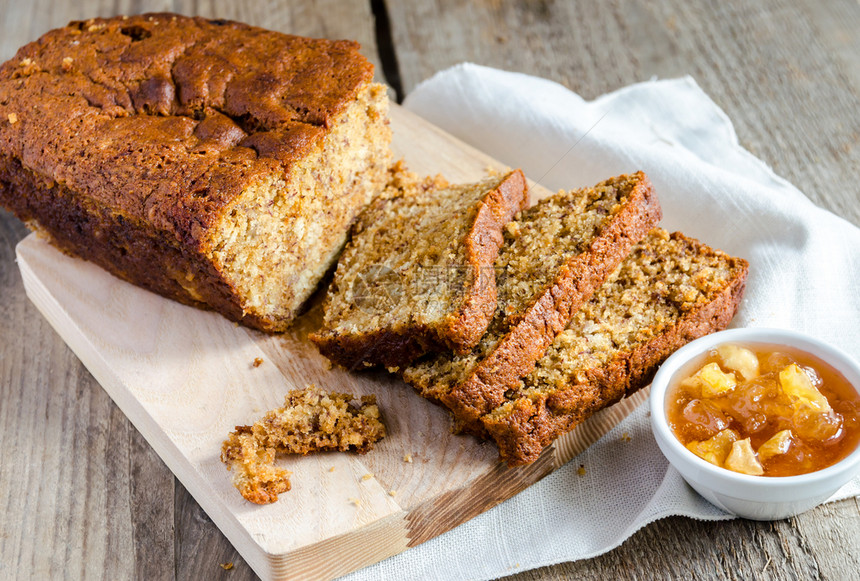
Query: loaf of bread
{"points": [[417, 274], [669, 291], [212, 162], [311, 420], [557, 253]]}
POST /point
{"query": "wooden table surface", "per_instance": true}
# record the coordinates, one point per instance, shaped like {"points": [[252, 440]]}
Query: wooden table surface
{"points": [[83, 495]]}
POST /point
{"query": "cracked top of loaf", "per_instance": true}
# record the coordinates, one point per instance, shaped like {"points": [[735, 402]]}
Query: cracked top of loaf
{"points": [[166, 119]]}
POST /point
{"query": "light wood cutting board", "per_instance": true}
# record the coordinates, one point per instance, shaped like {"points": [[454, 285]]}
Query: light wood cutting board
{"points": [[186, 377]]}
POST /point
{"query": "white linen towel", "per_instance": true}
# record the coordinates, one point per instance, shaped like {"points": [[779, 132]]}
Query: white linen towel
{"points": [[804, 275]]}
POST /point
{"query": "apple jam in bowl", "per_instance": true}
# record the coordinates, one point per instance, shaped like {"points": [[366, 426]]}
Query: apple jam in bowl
{"points": [[764, 423]]}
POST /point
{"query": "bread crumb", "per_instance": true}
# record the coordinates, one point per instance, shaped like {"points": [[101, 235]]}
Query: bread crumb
{"points": [[258, 361], [392, 493], [331, 469], [311, 420], [12, 117], [625, 437], [581, 470], [354, 501], [227, 566], [407, 458], [367, 476]]}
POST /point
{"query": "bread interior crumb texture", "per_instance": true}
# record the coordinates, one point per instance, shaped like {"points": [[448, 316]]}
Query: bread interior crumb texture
{"points": [[285, 232], [537, 244], [407, 266]]}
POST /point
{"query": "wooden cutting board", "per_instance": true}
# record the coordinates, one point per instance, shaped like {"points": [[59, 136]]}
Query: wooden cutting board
{"points": [[186, 377]]}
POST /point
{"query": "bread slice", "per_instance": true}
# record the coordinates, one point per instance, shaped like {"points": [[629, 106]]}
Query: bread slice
{"points": [[417, 274], [310, 421], [669, 291], [557, 253]]}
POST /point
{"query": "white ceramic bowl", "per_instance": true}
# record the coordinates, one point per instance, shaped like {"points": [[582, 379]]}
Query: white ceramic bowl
{"points": [[752, 497]]}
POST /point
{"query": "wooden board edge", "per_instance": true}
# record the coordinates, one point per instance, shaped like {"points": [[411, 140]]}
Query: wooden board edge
{"points": [[342, 554], [453, 508], [575, 442], [332, 557], [56, 316]]}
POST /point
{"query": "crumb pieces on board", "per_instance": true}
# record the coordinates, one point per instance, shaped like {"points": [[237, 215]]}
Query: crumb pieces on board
{"points": [[311, 420]]}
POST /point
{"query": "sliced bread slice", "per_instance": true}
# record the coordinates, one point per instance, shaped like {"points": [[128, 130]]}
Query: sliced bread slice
{"points": [[557, 253], [417, 275], [669, 291]]}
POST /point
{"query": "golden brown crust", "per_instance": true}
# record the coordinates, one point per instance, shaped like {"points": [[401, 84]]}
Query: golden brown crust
{"points": [[534, 329], [150, 127], [388, 347], [534, 422], [464, 325], [122, 247], [101, 104]]}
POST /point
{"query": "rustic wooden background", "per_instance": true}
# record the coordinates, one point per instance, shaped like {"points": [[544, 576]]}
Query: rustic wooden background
{"points": [[83, 495]]}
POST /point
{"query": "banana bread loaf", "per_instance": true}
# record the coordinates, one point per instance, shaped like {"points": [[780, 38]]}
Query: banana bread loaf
{"points": [[212, 162], [556, 254], [669, 291], [417, 274]]}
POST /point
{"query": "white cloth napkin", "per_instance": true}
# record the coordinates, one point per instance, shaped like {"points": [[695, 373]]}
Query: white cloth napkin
{"points": [[804, 275]]}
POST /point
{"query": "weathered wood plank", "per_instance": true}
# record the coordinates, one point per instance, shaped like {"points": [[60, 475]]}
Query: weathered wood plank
{"points": [[773, 71], [25, 21], [70, 457], [201, 548]]}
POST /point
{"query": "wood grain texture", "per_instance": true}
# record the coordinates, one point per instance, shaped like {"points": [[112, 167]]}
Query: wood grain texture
{"points": [[786, 72]]}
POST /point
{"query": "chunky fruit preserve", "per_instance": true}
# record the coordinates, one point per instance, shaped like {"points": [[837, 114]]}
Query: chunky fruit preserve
{"points": [[764, 410]]}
